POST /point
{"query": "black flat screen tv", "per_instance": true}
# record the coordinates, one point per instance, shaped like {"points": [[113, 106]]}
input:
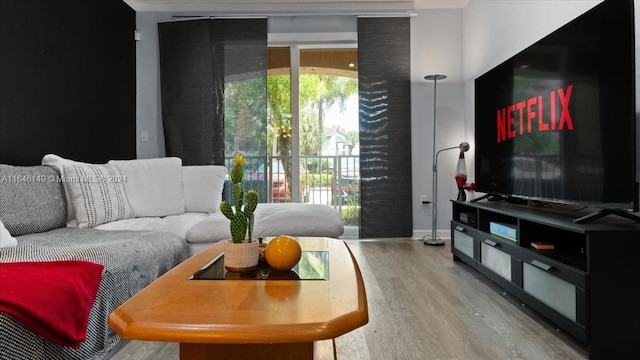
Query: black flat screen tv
{"points": [[557, 121]]}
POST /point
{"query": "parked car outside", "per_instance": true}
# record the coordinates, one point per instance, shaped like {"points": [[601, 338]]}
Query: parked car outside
{"points": [[279, 191], [279, 185]]}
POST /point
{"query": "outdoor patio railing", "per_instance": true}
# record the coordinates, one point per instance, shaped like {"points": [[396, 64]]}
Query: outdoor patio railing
{"points": [[329, 179]]}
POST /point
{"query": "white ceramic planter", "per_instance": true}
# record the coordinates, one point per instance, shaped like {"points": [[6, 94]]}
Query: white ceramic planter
{"points": [[241, 257]]}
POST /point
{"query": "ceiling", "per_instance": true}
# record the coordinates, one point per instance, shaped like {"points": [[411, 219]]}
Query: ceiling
{"points": [[292, 6], [333, 61]]}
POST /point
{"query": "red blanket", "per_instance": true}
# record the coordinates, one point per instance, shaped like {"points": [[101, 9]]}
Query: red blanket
{"points": [[51, 298]]}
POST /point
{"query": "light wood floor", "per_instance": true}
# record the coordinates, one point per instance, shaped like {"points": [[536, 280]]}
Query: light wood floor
{"points": [[423, 305]]}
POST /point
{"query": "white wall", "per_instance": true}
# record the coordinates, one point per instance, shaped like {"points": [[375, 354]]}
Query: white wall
{"points": [[148, 108], [462, 44], [436, 48]]}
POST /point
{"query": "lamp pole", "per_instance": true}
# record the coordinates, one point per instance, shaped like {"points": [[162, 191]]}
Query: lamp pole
{"points": [[434, 78]]}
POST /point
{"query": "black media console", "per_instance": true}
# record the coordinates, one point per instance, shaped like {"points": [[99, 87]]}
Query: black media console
{"points": [[585, 284]]}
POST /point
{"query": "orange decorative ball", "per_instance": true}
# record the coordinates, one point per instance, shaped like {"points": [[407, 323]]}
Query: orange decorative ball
{"points": [[283, 252]]}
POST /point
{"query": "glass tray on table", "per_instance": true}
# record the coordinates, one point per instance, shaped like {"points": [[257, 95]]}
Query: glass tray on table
{"points": [[313, 265]]}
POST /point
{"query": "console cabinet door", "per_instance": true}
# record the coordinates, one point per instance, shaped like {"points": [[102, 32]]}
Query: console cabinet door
{"points": [[554, 292], [463, 243], [495, 259]]}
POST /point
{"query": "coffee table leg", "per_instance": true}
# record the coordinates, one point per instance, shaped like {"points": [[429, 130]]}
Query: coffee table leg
{"points": [[284, 351]]}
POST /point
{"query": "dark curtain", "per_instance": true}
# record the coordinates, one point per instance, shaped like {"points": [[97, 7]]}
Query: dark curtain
{"points": [[188, 92], [240, 51], [67, 80], [385, 127], [213, 88]]}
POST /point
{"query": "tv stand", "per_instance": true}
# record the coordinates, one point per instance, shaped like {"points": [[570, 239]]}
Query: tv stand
{"points": [[605, 212], [494, 197], [489, 197], [576, 275]]}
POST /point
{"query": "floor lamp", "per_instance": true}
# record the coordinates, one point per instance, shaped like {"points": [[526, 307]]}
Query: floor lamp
{"points": [[434, 239]]}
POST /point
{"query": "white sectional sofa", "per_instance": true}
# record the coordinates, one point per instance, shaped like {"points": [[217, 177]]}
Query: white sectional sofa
{"points": [[166, 196]]}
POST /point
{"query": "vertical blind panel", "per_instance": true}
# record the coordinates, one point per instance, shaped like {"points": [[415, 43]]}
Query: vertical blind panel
{"points": [[240, 62], [385, 127], [187, 90], [214, 91], [241, 59]]}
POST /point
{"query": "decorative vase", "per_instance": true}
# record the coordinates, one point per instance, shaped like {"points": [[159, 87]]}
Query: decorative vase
{"points": [[283, 253], [241, 257]]}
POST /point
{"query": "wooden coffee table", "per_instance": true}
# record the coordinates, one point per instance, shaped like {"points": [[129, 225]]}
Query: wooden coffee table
{"points": [[241, 319]]}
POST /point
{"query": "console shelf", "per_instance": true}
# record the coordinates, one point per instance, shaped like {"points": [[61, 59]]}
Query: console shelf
{"points": [[582, 282]]}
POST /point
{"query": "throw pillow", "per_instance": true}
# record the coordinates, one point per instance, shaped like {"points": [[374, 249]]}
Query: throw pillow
{"points": [[98, 194], [31, 199], [154, 186], [6, 240], [203, 185], [57, 163]]}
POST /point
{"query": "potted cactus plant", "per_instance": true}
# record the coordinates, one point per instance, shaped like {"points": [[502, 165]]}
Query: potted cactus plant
{"points": [[241, 253]]}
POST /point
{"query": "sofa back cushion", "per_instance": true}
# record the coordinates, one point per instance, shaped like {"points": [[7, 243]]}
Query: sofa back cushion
{"points": [[154, 186], [203, 185], [32, 199]]}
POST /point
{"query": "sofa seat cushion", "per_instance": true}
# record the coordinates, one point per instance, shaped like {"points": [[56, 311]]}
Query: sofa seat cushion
{"points": [[131, 259], [176, 224], [272, 220], [31, 199]]}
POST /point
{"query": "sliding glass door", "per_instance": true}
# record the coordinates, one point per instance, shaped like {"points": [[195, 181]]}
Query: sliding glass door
{"points": [[313, 137]]}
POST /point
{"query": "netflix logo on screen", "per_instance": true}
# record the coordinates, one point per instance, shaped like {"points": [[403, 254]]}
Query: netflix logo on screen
{"points": [[527, 116]]}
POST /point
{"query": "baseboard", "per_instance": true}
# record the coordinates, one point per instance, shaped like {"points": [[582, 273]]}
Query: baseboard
{"points": [[420, 234]]}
